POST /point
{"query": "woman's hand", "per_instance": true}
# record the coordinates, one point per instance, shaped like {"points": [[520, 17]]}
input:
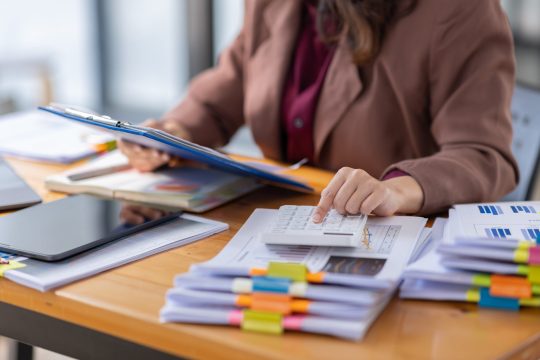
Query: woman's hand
{"points": [[354, 191], [145, 159]]}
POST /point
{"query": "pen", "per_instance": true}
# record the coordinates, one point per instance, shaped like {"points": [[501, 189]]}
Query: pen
{"points": [[83, 175]]}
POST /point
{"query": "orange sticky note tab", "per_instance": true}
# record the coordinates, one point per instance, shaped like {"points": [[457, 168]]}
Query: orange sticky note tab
{"points": [[276, 303], [243, 301], [317, 277], [510, 286], [257, 272], [300, 306]]}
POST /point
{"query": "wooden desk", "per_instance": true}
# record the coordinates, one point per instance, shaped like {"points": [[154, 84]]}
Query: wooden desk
{"points": [[124, 304]]}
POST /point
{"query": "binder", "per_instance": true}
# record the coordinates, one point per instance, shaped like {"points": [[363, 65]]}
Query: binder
{"points": [[154, 138]]}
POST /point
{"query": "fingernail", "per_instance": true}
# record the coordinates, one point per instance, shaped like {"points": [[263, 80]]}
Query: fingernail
{"points": [[316, 218]]}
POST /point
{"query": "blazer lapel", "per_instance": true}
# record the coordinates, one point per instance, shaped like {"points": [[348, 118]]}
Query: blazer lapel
{"points": [[341, 87], [268, 70]]}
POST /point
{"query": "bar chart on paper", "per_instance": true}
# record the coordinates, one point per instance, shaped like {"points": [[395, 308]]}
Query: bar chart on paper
{"points": [[527, 209], [519, 232], [490, 209]]}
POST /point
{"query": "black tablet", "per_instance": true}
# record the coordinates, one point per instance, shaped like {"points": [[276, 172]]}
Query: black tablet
{"points": [[59, 229]]}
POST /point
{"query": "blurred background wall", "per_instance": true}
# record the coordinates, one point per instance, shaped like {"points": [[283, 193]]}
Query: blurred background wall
{"points": [[134, 58]]}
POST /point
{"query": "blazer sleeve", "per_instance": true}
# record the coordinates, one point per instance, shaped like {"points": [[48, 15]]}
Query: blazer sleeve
{"points": [[472, 72], [212, 110]]}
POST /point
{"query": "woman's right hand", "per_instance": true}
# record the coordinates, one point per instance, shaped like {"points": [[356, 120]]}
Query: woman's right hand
{"points": [[145, 159]]}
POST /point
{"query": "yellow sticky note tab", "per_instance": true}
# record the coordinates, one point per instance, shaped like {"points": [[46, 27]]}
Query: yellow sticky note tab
{"points": [[472, 295], [11, 266], [481, 280], [534, 274], [524, 245], [521, 256], [265, 322], [293, 271]]}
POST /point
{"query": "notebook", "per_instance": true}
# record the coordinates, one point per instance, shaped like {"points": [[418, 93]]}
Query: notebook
{"points": [[194, 189], [163, 141]]}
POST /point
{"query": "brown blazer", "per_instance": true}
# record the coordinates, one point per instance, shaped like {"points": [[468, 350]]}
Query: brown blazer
{"points": [[435, 102]]}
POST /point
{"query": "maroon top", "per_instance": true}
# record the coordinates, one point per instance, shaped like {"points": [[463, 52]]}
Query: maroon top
{"points": [[311, 61], [301, 93]]}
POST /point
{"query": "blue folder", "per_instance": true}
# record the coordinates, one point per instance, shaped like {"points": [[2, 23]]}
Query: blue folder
{"points": [[163, 141]]}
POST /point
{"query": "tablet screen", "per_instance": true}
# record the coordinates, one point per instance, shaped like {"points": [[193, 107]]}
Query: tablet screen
{"points": [[63, 228]]}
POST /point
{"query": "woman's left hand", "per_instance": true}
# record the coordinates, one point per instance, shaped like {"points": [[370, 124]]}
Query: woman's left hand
{"points": [[354, 191]]}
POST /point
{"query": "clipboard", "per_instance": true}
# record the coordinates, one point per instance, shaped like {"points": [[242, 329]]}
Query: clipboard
{"points": [[157, 139]]}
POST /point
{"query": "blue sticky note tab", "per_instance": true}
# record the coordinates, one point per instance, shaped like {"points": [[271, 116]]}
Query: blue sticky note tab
{"points": [[538, 240], [268, 284], [494, 302]]}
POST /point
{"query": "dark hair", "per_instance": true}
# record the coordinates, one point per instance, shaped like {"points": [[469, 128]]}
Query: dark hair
{"points": [[362, 22]]}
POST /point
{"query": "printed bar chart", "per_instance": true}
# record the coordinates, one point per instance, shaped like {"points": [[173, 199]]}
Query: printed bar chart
{"points": [[490, 210], [530, 234], [523, 209], [498, 232]]}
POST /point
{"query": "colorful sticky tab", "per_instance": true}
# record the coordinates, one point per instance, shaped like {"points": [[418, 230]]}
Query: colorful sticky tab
{"points": [[533, 302], [11, 266], [538, 240], [473, 295], [293, 271], [482, 280], [265, 322], [488, 301], [277, 303], [510, 286], [534, 274], [534, 255], [265, 284], [521, 256]]}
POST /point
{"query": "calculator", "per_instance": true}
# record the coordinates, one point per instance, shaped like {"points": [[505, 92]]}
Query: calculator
{"points": [[293, 226]]}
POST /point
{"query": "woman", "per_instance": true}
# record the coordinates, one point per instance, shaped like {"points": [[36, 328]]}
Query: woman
{"points": [[407, 100]]}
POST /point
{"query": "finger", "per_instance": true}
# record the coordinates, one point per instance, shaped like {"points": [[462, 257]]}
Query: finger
{"points": [[328, 194], [363, 190], [129, 216], [374, 200], [149, 213], [344, 194]]}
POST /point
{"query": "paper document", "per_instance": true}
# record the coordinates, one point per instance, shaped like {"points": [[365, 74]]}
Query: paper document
{"points": [[44, 276], [44, 137], [387, 245]]}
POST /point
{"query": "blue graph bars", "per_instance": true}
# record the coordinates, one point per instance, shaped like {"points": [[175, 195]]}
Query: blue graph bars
{"points": [[490, 209], [523, 209], [498, 232], [530, 234]]}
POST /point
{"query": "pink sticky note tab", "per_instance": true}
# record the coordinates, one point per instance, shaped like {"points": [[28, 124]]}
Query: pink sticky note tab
{"points": [[534, 256], [235, 317], [293, 322]]}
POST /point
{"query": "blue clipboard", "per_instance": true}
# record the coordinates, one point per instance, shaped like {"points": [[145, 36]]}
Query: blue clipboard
{"points": [[163, 141]]}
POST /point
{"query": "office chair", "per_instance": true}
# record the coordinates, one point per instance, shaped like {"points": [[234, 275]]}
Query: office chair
{"points": [[526, 141]]}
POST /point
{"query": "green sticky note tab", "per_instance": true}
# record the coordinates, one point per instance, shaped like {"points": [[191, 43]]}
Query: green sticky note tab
{"points": [[523, 270], [293, 271], [534, 274], [535, 288], [482, 280], [261, 321], [11, 266]]}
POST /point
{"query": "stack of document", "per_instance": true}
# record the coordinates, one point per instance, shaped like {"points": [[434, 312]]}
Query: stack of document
{"points": [[44, 276], [189, 188], [483, 253], [36, 135], [272, 288]]}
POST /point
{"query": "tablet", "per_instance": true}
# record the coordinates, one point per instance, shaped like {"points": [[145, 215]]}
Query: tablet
{"points": [[56, 230]]}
